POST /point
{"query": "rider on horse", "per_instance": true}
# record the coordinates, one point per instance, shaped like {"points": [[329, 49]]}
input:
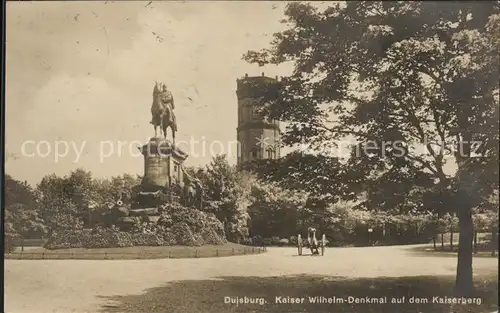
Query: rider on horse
{"points": [[162, 110], [165, 99]]}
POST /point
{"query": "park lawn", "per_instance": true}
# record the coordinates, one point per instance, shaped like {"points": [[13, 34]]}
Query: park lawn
{"points": [[207, 296], [481, 237], [137, 252], [428, 250]]}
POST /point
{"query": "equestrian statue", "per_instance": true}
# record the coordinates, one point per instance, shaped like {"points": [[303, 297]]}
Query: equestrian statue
{"points": [[162, 110]]}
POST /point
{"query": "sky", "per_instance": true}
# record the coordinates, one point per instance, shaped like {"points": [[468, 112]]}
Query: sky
{"points": [[80, 75]]}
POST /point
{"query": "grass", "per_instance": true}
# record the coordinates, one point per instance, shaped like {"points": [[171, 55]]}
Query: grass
{"points": [[456, 236], [483, 245], [137, 252], [428, 250], [207, 296], [444, 248]]}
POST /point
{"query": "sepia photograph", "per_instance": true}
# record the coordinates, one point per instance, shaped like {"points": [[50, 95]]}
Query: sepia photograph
{"points": [[251, 156]]}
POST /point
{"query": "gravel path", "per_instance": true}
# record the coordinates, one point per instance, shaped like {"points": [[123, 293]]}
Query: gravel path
{"points": [[49, 286]]}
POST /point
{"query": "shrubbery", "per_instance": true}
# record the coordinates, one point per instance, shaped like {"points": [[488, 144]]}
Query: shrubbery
{"points": [[86, 238], [284, 242], [257, 240], [177, 226], [267, 241], [9, 243]]}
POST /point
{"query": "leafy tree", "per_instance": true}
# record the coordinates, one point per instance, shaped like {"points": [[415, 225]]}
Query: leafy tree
{"points": [[412, 84], [25, 221], [110, 190], [487, 220], [21, 215], [64, 201], [79, 187], [104, 193], [10, 233], [78, 198], [275, 212], [17, 192], [9, 229], [55, 204], [225, 195]]}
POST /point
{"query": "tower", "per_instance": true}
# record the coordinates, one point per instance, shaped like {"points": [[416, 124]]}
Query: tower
{"points": [[258, 137]]}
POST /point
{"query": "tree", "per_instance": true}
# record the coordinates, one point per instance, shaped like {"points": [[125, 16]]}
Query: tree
{"points": [[104, 193], [9, 232], [25, 221], [17, 192], [413, 85], [225, 194], [486, 219], [60, 199], [22, 218], [78, 199], [275, 212], [110, 190]]}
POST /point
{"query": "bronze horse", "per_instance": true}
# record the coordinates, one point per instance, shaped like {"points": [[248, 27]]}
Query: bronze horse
{"points": [[162, 110]]}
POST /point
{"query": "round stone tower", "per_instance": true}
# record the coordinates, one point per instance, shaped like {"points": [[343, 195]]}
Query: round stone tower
{"points": [[258, 137]]}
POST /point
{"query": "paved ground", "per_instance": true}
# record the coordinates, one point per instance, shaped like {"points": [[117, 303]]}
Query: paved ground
{"points": [[48, 286]]}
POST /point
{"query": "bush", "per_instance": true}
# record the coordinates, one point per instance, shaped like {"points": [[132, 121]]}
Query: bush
{"points": [[169, 239], [284, 242], [201, 224], [10, 243], [257, 240], [275, 241], [147, 239], [178, 225], [184, 236], [95, 238], [248, 241], [293, 240], [211, 237], [267, 242]]}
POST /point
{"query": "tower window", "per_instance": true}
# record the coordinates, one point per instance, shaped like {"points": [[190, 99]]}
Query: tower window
{"points": [[270, 153]]}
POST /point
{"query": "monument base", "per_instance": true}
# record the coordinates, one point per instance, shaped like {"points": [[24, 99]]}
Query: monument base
{"points": [[162, 164], [163, 181]]}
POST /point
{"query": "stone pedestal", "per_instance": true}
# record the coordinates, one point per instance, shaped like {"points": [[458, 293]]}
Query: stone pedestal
{"points": [[165, 180], [163, 177], [162, 164]]}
